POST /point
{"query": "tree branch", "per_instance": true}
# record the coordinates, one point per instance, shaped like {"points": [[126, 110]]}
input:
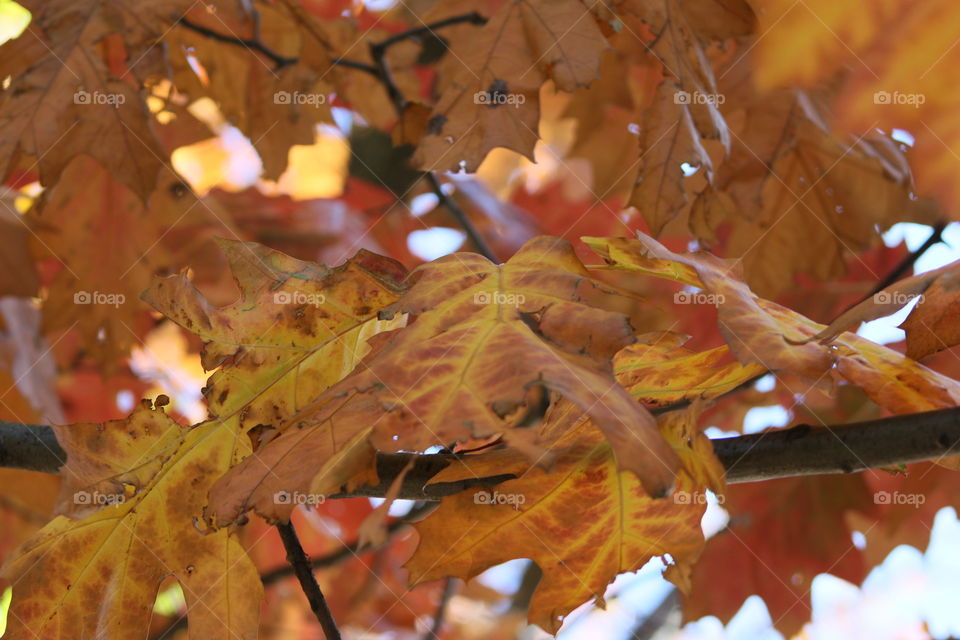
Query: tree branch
{"points": [[472, 18], [798, 451], [449, 586], [253, 44], [308, 582], [907, 263]]}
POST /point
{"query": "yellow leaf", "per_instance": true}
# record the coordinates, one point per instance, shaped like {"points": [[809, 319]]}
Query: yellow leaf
{"points": [[119, 555], [659, 371], [582, 521]]}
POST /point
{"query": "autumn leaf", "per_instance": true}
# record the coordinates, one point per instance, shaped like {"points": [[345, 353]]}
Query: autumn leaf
{"points": [[908, 84], [441, 379], [583, 521], [468, 311], [659, 371], [64, 101], [669, 139], [760, 332], [491, 82], [118, 555], [296, 329], [929, 326], [109, 245], [254, 93]]}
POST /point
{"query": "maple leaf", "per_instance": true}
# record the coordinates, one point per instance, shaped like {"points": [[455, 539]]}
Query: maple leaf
{"points": [[110, 245], [542, 306], [254, 94], [929, 327], [761, 332], [492, 80], [906, 83], [119, 555], [669, 139], [787, 177], [64, 100], [296, 329], [443, 379], [659, 371], [583, 521]]}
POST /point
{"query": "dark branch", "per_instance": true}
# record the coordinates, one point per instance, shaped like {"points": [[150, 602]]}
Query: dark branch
{"points": [[520, 601], [253, 44], [449, 586], [907, 263], [308, 582], [347, 551], [649, 626], [473, 234], [471, 18], [800, 450], [30, 446]]}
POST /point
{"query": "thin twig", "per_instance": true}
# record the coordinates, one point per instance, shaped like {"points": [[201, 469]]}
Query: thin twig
{"points": [[528, 584], [308, 582], [449, 586], [348, 550], [907, 263], [471, 18], [253, 44], [473, 234], [655, 620]]}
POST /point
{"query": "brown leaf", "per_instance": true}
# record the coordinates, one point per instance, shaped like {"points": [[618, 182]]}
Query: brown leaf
{"points": [[490, 91]]}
